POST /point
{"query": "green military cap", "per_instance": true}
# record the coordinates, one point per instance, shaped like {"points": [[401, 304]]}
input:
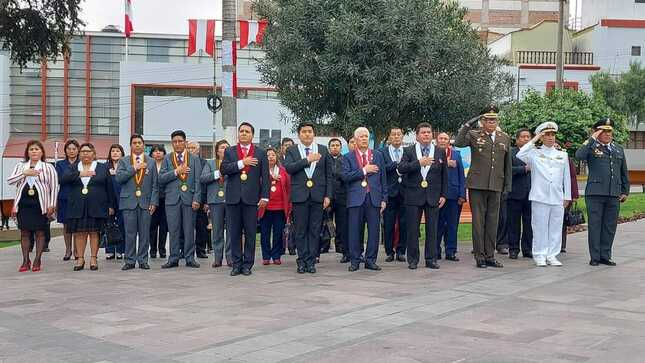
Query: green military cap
{"points": [[604, 123]]}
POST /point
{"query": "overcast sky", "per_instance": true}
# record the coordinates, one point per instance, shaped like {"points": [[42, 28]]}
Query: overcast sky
{"points": [[150, 16]]}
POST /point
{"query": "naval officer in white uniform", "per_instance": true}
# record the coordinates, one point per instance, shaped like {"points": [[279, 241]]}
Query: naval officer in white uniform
{"points": [[550, 192]]}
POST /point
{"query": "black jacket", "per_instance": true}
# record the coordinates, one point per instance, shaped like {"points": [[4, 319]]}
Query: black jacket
{"points": [[256, 186], [322, 177], [100, 194], [521, 178], [340, 189], [437, 177]]}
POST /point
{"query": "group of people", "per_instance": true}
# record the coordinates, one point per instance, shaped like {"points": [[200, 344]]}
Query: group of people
{"points": [[305, 185]]}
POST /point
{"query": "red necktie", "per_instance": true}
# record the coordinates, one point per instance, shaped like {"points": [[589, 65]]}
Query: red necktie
{"points": [[245, 150], [364, 160]]}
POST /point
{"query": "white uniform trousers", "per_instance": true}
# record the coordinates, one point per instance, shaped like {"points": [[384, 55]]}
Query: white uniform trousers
{"points": [[546, 221]]}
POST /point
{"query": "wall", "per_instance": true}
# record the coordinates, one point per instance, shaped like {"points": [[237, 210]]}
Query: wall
{"points": [[542, 37], [594, 10], [612, 47], [537, 78]]}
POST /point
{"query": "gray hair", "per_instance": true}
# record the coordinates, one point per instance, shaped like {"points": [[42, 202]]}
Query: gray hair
{"points": [[360, 130]]}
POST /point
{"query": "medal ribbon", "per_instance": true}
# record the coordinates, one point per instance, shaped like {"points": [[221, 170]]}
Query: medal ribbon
{"points": [[240, 155], [138, 175]]}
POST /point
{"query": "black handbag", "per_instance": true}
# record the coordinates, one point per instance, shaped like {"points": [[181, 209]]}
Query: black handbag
{"points": [[328, 228], [289, 235], [574, 216], [111, 235]]}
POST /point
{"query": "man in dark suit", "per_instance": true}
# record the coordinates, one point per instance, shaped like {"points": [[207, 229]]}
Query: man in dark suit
{"points": [[310, 167], [607, 187], [395, 211], [247, 189], [179, 176], [519, 205], [364, 175], [202, 237], [426, 183], [338, 208], [285, 144], [455, 198]]}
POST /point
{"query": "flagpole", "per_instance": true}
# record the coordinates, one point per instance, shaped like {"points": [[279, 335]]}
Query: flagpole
{"points": [[126, 49]]}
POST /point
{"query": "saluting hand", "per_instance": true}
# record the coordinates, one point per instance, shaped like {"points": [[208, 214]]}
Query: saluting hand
{"points": [[596, 134]]}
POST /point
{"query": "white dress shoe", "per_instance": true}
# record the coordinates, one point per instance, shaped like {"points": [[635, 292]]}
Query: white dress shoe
{"points": [[540, 262], [553, 261]]}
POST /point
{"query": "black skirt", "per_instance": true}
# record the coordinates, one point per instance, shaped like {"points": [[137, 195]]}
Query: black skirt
{"points": [[30, 216], [84, 224]]}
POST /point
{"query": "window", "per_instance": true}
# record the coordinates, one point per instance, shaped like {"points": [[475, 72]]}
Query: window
{"points": [[270, 137], [636, 50], [157, 50]]}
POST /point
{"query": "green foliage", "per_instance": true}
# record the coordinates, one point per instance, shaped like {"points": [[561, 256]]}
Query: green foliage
{"points": [[379, 63], [625, 94], [35, 29], [575, 112]]}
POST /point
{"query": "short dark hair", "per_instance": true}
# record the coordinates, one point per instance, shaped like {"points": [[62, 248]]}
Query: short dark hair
{"points": [[286, 140], [178, 133], [68, 143], [394, 128], [37, 143], [422, 125], [115, 146], [523, 129], [306, 124], [246, 124], [271, 148], [136, 136], [333, 139], [217, 145], [158, 147]]}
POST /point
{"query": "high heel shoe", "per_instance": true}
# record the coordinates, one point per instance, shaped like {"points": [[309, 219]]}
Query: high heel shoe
{"points": [[81, 266], [25, 267], [67, 257], [36, 268], [95, 266]]}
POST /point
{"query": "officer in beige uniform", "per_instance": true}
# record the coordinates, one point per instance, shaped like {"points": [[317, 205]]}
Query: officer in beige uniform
{"points": [[489, 176]]}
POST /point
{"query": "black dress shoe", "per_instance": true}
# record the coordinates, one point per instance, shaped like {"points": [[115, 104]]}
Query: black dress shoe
{"points": [[400, 258], [352, 267], [235, 271], [389, 258], [301, 269], [593, 263], [607, 262], [170, 265], [502, 251], [127, 266], [494, 263], [153, 255], [144, 266], [412, 266], [344, 259], [246, 271], [311, 269], [111, 256], [513, 255], [202, 255], [46, 249], [162, 255], [193, 264], [563, 251], [438, 256], [481, 264], [372, 266], [292, 252], [119, 256], [452, 258], [527, 255], [433, 265]]}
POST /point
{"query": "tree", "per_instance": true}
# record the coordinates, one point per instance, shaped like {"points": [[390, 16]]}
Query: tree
{"points": [[378, 63], [35, 29], [626, 94], [575, 112]]}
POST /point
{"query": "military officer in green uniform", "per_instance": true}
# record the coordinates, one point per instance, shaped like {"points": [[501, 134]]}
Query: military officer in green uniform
{"points": [[607, 187], [489, 176]]}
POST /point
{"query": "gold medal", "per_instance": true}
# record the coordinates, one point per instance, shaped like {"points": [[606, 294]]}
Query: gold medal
{"points": [[424, 184], [220, 193], [400, 180], [273, 189], [138, 193], [310, 183], [184, 188], [31, 192], [364, 183], [243, 176], [84, 191]]}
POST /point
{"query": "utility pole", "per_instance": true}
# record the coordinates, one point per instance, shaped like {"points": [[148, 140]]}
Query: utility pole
{"points": [[559, 56], [229, 103]]}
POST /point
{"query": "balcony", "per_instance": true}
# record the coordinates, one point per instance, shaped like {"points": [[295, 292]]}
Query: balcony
{"points": [[547, 57]]}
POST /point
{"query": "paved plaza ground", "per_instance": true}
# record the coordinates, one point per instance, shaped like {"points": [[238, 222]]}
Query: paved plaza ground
{"points": [[520, 313]]}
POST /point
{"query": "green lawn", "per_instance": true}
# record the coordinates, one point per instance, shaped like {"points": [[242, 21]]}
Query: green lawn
{"points": [[635, 204], [8, 243]]}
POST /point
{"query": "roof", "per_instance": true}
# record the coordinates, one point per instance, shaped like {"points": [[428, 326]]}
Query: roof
{"points": [[15, 147], [524, 29]]}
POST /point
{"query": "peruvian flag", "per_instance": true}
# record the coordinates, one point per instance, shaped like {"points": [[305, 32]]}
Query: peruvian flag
{"points": [[251, 32], [201, 36], [128, 18]]}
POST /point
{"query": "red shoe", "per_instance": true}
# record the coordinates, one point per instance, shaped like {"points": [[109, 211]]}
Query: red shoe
{"points": [[36, 268], [277, 262], [25, 268], [266, 262]]}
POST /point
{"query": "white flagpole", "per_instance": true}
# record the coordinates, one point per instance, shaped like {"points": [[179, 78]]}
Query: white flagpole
{"points": [[126, 49]]}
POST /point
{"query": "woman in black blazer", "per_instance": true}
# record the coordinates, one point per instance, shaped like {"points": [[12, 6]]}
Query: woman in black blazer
{"points": [[90, 202]]}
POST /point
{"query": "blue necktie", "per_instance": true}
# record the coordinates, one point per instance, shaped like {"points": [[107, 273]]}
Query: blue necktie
{"points": [[306, 151], [425, 152], [397, 155]]}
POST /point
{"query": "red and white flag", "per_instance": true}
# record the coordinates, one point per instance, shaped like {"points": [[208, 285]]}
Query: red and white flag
{"points": [[251, 32], [201, 36], [128, 18]]}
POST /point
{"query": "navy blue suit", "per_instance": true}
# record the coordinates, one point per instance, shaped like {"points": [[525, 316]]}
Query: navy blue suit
{"points": [[364, 205], [395, 209], [449, 214]]}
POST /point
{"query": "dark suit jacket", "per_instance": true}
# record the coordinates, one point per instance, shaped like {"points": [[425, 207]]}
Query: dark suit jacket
{"points": [[521, 178], [340, 189], [353, 176], [100, 194], [607, 169], [437, 177], [257, 185], [393, 185], [456, 178], [322, 177]]}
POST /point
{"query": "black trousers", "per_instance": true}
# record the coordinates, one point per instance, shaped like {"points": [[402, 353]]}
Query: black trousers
{"points": [[158, 229], [339, 213], [502, 225], [242, 217], [307, 218], [519, 226], [602, 213], [202, 237], [393, 211], [413, 215]]}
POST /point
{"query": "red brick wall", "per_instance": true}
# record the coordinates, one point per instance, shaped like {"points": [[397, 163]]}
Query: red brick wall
{"points": [[474, 16], [504, 17]]}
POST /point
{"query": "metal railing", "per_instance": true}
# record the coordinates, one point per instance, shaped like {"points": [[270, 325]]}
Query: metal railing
{"points": [[549, 57]]}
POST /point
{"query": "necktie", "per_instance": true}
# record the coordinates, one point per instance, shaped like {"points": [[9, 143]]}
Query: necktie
{"points": [[180, 158], [397, 155], [365, 159], [245, 150], [138, 159], [425, 152], [307, 151]]}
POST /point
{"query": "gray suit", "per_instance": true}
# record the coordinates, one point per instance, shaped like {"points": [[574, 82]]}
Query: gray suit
{"points": [[179, 212], [136, 217], [217, 206]]}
